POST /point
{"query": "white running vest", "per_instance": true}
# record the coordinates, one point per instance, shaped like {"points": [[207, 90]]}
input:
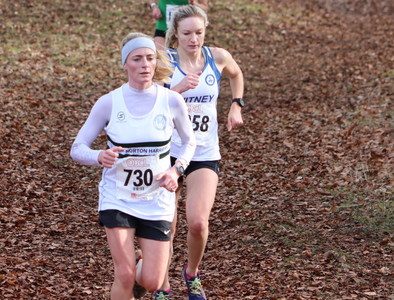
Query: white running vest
{"points": [[201, 103], [131, 186]]}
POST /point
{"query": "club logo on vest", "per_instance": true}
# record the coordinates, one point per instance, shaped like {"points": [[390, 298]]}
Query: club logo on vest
{"points": [[121, 116], [160, 122], [210, 79]]}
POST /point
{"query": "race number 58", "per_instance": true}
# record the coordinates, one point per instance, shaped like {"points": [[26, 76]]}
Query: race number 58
{"points": [[200, 122]]}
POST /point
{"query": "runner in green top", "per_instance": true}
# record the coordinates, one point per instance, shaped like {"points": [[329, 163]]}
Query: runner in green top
{"points": [[162, 11]]}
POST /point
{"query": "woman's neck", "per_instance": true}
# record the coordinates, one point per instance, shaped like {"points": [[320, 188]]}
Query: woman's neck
{"points": [[132, 88], [191, 62], [140, 85]]}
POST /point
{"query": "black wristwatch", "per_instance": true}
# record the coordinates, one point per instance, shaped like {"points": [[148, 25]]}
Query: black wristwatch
{"points": [[180, 169], [240, 101]]}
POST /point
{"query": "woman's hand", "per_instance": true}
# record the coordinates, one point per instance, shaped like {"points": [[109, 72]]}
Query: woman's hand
{"points": [[107, 158], [169, 179], [190, 81], [234, 118], [156, 13]]}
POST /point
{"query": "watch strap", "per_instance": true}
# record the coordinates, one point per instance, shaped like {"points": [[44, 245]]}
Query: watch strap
{"points": [[240, 101]]}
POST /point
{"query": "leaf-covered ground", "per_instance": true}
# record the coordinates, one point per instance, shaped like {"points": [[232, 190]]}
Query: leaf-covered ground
{"points": [[305, 206]]}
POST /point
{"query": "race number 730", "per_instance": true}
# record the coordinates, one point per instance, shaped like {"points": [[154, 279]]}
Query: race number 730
{"points": [[141, 177], [200, 122]]}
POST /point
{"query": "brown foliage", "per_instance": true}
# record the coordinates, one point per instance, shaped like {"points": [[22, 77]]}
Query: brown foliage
{"points": [[304, 208]]}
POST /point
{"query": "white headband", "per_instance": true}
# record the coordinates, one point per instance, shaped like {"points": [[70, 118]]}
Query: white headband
{"points": [[139, 42]]}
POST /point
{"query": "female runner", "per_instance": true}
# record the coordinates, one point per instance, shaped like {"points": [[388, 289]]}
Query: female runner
{"points": [[198, 70], [137, 188]]}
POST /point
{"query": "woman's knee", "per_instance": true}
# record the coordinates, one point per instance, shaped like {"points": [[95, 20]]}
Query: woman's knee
{"points": [[125, 276], [151, 283], [198, 226]]}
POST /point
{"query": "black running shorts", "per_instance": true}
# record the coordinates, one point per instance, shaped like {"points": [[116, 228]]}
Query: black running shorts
{"points": [[152, 230], [195, 165], [160, 33]]}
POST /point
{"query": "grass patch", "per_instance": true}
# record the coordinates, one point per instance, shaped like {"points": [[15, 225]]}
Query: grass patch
{"points": [[389, 73], [378, 215], [251, 7], [374, 211]]}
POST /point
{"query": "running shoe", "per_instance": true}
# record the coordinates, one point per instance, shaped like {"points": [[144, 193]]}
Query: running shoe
{"points": [[161, 295], [194, 287], [139, 291]]}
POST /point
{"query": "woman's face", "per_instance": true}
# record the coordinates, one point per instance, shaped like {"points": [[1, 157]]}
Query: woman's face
{"points": [[140, 66], [190, 34]]}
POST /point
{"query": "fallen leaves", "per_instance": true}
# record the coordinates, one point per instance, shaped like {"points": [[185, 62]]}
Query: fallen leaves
{"points": [[304, 208]]}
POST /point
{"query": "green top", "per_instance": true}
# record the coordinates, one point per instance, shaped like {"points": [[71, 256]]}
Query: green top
{"points": [[167, 7]]}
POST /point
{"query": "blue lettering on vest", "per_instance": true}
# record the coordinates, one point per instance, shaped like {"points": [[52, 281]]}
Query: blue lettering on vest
{"points": [[200, 99]]}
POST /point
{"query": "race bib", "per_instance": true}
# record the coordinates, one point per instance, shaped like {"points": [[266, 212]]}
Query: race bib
{"points": [[136, 178], [169, 11], [200, 115]]}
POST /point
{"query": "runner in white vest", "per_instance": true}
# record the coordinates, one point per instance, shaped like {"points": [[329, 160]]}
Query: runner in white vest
{"points": [[197, 76], [137, 188]]}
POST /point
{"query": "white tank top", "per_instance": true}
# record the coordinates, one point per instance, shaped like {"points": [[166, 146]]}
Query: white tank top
{"points": [[201, 103], [131, 186]]}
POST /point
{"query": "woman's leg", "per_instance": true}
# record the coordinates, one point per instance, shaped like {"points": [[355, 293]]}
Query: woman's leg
{"points": [[121, 244], [201, 187], [166, 284], [155, 256]]}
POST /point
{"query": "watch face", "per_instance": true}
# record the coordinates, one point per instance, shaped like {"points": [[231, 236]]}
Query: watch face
{"points": [[181, 170]]}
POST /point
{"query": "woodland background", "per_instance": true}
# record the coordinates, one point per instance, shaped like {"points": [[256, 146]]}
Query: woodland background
{"points": [[305, 206]]}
